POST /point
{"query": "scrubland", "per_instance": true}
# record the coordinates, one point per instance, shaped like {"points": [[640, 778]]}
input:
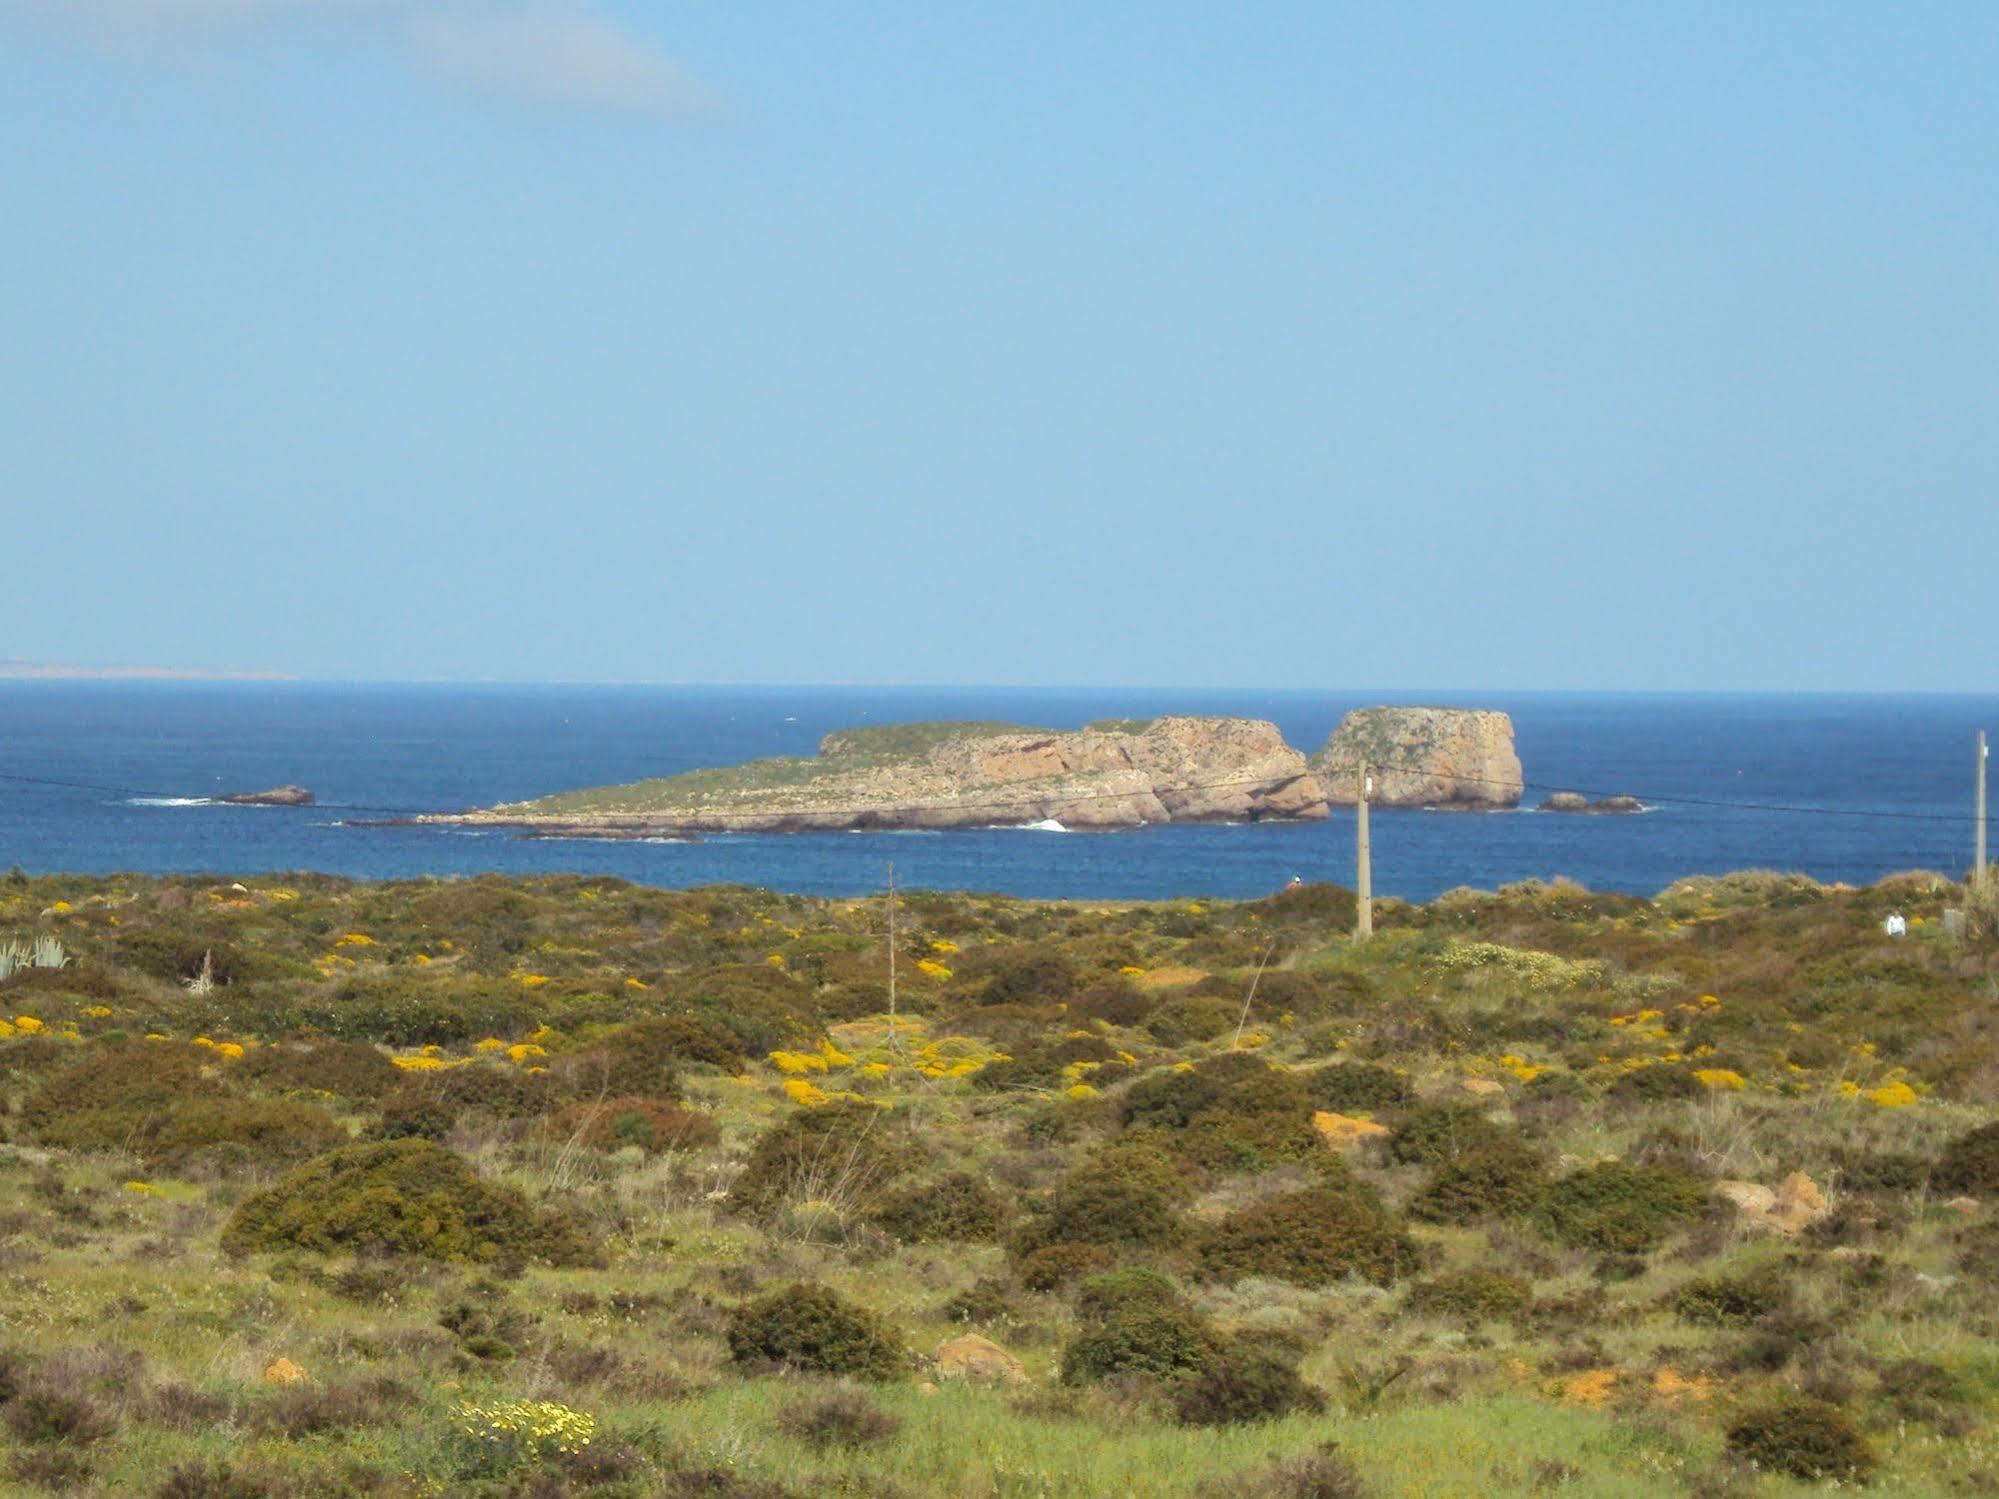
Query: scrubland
{"points": [[566, 1186]]}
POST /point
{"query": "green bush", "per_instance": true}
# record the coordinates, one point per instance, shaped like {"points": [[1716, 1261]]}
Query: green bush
{"points": [[1053, 1266], [346, 1069], [954, 1208], [1657, 1084], [1124, 1194], [1358, 1088], [1116, 1293], [243, 1131], [1029, 1069], [1619, 1208], [1311, 1237], [1970, 1163], [814, 1330], [1806, 1439], [1192, 1017], [1146, 1339], [839, 1152], [1236, 1081], [1728, 1300], [110, 1092], [400, 1197], [1440, 1132], [1477, 1295], [1240, 1383], [682, 1038], [1490, 1181]]}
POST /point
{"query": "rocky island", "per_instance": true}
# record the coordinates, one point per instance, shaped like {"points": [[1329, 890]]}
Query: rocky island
{"points": [[277, 796], [1113, 774], [1422, 757]]}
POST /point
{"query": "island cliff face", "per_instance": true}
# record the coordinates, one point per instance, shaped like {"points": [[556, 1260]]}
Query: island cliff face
{"points": [[957, 775], [1422, 757]]}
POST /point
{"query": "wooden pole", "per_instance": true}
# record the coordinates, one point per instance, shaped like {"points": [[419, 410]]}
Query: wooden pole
{"points": [[1363, 882]]}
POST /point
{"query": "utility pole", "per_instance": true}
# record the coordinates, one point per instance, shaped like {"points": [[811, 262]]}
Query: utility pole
{"points": [[1363, 880], [1978, 840], [894, 1024]]}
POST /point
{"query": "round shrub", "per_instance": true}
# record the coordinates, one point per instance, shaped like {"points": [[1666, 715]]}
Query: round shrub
{"points": [[1119, 1292], [1618, 1208], [1053, 1266], [1478, 1295], [1308, 1238], [1728, 1300], [239, 1130], [1656, 1084], [649, 1123], [1491, 1181], [1239, 1384], [1221, 1140], [1124, 1194], [400, 1197], [1029, 1069], [682, 1038], [1970, 1163], [1803, 1438], [1146, 1339], [504, 1092], [1358, 1088], [1440, 1132], [1193, 1017], [109, 1093], [346, 1069], [813, 1329], [1236, 1081], [955, 1208], [833, 1152]]}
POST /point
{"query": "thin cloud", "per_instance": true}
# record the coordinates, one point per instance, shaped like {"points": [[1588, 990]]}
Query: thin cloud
{"points": [[558, 51]]}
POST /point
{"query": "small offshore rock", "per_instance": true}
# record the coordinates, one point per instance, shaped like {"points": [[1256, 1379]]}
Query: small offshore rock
{"points": [[277, 796]]}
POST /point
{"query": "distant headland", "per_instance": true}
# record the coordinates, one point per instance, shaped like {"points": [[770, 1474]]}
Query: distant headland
{"points": [[1110, 774], [56, 671]]}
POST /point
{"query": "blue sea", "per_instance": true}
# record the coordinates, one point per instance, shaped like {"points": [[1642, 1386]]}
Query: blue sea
{"points": [[1842, 788]]}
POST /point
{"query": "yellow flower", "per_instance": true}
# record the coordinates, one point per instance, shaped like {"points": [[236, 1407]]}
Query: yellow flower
{"points": [[489, 1043], [27, 1025], [636, 984], [520, 1051], [1130, 970], [62, 906], [944, 945], [1082, 1090], [422, 957], [420, 1064], [797, 1062], [97, 1012], [933, 968], [1720, 1079], [145, 1188], [534, 980], [776, 960], [230, 1049], [802, 1092], [1895, 1095], [355, 939]]}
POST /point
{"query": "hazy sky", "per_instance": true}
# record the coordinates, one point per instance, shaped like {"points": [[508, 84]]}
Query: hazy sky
{"points": [[1515, 345]]}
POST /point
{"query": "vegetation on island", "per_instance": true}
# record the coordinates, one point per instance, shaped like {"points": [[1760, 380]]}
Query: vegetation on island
{"points": [[566, 1186]]}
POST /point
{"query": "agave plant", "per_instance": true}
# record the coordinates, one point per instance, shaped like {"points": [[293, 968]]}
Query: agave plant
{"points": [[50, 953], [14, 956]]}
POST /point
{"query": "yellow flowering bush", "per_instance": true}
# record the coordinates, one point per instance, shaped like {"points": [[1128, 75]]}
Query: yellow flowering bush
{"points": [[1895, 1095], [354, 939], [511, 1433], [1719, 1079], [27, 1025], [932, 968]]}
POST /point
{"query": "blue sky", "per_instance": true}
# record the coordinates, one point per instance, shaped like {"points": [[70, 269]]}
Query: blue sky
{"points": [[1504, 346]]}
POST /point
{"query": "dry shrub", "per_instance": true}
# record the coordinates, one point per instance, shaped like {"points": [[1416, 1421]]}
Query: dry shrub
{"points": [[1806, 1439], [839, 1418], [840, 1153], [649, 1123]]}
